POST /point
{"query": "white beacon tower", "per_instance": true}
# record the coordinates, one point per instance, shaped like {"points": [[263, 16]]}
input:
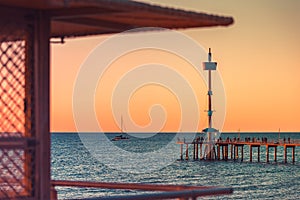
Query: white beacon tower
{"points": [[211, 133]]}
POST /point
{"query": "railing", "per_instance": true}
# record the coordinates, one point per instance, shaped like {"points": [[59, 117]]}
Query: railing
{"points": [[232, 141], [160, 191]]}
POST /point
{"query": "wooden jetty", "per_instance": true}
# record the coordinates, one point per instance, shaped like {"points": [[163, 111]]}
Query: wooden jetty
{"points": [[237, 149]]}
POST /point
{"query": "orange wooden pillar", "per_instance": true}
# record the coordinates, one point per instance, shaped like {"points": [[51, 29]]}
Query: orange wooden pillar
{"points": [[293, 154], [181, 151], [201, 151], [236, 151], [285, 154], [194, 151], [226, 152], [218, 152], [250, 147], [275, 154], [187, 152], [231, 151], [258, 153], [242, 153], [197, 151], [267, 153]]}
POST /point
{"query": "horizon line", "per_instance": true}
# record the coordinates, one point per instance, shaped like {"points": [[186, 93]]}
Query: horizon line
{"points": [[234, 132]]}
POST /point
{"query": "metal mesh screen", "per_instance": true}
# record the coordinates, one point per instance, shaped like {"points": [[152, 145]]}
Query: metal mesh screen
{"points": [[16, 130], [12, 88]]}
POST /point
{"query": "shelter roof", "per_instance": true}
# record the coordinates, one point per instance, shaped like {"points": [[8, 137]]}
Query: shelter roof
{"points": [[71, 18]]}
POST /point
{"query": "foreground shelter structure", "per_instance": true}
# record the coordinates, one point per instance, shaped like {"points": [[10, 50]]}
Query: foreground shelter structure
{"points": [[25, 33]]}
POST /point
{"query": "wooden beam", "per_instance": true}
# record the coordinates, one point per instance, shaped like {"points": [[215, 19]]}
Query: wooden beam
{"points": [[42, 102]]}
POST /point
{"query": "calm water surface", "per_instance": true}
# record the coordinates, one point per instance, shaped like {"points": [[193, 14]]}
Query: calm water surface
{"points": [[72, 161]]}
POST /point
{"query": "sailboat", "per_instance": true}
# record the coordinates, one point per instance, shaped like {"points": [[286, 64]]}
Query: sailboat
{"points": [[120, 137]]}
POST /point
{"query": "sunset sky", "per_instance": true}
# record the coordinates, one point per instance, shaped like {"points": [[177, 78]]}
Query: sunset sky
{"points": [[258, 58]]}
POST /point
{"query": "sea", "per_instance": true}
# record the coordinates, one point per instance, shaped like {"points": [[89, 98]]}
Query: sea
{"points": [[155, 159]]}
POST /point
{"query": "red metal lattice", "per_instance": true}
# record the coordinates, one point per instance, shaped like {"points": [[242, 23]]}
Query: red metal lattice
{"points": [[16, 155], [12, 92]]}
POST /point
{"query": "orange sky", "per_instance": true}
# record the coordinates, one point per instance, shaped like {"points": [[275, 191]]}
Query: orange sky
{"points": [[258, 58]]}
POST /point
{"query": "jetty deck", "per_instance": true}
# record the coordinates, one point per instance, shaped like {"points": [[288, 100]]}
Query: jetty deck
{"points": [[237, 148]]}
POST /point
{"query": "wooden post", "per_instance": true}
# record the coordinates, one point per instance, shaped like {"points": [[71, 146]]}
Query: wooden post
{"points": [[293, 154], [231, 149], [218, 151], [250, 153], [181, 151], [214, 152], [233, 152], [226, 152], [267, 152], [258, 154], [223, 156], [53, 195], [285, 154], [242, 152], [275, 153], [194, 151], [237, 152], [187, 152], [42, 103], [201, 151], [197, 153]]}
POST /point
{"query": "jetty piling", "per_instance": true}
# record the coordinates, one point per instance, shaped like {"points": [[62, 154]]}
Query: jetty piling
{"points": [[201, 156], [218, 152], [181, 151], [197, 152], [194, 152], [187, 152]]}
